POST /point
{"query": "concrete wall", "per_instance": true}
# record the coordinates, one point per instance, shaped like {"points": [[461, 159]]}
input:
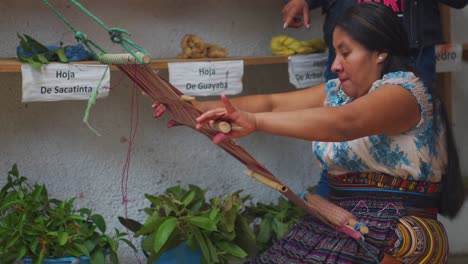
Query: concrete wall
{"points": [[51, 145]]}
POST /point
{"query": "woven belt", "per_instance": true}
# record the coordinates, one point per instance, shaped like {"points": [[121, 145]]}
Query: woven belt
{"points": [[380, 180]]}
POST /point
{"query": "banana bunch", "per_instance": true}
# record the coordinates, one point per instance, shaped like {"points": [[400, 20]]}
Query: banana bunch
{"points": [[285, 46]]}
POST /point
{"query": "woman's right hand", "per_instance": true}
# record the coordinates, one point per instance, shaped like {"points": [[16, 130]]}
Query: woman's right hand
{"points": [[244, 120]]}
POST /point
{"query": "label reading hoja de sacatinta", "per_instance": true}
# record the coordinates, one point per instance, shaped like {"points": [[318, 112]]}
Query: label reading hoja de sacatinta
{"points": [[60, 81]]}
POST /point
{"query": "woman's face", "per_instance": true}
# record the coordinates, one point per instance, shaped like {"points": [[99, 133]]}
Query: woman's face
{"points": [[357, 67]]}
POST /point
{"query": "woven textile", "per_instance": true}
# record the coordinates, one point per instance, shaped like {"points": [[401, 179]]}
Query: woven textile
{"points": [[313, 242], [420, 241]]}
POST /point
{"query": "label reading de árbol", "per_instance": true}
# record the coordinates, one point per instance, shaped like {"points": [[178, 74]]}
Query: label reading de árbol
{"points": [[206, 78]]}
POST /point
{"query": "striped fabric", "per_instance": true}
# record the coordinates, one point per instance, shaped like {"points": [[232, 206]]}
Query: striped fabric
{"points": [[390, 216], [420, 241], [310, 241]]}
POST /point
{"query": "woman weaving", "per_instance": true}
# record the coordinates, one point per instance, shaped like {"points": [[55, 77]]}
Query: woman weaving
{"points": [[381, 134]]}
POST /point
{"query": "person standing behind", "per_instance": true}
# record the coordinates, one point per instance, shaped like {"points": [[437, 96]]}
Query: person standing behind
{"points": [[421, 20]]}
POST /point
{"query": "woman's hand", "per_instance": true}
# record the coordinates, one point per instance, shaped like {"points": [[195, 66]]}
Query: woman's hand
{"points": [[230, 114], [159, 109], [293, 11]]}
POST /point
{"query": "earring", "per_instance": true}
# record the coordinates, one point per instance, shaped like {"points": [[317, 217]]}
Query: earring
{"points": [[380, 57]]}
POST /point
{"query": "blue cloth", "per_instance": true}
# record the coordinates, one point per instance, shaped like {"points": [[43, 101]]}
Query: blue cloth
{"points": [[322, 187], [73, 53]]}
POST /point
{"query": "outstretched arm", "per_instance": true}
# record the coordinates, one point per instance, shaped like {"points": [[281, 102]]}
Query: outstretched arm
{"points": [[305, 98], [389, 110]]}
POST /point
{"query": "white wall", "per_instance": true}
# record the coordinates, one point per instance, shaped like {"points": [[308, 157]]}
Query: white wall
{"points": [[51, 145]]}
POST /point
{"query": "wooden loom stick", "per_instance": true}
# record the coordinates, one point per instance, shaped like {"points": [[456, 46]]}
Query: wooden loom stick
{"points": [[273, 184], [184, 113]]}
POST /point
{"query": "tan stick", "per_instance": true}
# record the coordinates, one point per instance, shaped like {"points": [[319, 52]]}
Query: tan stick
{"points": [[187, 98], [268, 182], [124, 58]]}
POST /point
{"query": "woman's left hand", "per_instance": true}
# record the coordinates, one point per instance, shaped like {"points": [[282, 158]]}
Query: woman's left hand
{"points": [[229, 113]]}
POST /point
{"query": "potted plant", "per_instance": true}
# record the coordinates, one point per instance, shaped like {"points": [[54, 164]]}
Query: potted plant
{"points": [[184, 218], [38, 229]]}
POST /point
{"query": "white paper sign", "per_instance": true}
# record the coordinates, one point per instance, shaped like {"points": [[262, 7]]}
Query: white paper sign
{"points": [[62, 81], [448, 57], [307, 70], [207, 77]]}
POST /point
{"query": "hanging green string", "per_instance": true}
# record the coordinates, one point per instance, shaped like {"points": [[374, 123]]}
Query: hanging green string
{"points": [[92, 101], [116, 36]]}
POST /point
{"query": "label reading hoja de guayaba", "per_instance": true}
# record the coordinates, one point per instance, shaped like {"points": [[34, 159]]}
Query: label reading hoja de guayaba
{"points": [[207, 78], [59, 81]]}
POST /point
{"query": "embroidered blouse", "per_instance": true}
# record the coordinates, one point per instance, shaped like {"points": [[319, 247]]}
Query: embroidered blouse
{"points": [[417, 154]]}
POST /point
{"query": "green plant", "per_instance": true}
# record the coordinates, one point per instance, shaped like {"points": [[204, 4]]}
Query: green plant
{"points": [[36, 54], [270, 222], [218, 227], [36, 226]]}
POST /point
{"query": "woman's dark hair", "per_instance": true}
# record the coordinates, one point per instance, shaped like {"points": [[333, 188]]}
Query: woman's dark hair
{"points": [[377, 28]]}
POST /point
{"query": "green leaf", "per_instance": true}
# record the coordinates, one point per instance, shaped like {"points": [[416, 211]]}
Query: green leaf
{"points": [[203, 222], [203, 245], [214, 214], [280, 228], [62, 238], [22, 252], [131, 224], [24, 45], [232, 249], [152, 224], [265, 230], [34, 64], [98, 257], [12, 241], [61, 55], [99, 221], [41, 58], [163, 233], [211, 248], [83, 251], [34, 44], [188, 197]]}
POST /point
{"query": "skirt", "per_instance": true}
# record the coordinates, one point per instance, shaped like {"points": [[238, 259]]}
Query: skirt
{"points": [[401, 224]]}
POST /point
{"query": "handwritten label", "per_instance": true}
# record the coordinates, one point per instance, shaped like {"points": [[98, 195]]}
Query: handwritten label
{"points": [[59, 81], [448, 57], [307, 70], [207, 77]]}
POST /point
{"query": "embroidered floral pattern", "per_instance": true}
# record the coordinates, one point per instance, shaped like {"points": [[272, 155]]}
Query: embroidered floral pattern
{"points": [[417, 154]]}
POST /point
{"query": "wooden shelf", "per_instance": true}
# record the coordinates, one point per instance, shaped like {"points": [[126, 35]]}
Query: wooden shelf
{"points": [[13, 65]]}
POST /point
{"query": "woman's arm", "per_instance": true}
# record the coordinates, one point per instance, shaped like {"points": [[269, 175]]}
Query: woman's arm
{"points": [[388, 110], [301, 99]]}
